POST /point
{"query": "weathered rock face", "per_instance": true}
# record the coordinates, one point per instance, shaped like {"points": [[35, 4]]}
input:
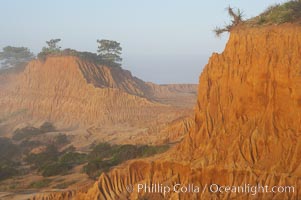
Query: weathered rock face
{"points": [[249, 111], [247, 125], [72, 91], [113, 77]]}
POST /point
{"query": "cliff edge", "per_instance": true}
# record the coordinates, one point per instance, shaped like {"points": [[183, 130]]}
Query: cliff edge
{"points": [[71, 91], [247, 125]]}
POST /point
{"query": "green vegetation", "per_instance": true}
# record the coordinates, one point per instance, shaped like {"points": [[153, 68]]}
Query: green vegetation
{"points": [[56, 168], [61, 139], [26, 132], [109, 51], [51, 162], [7, 170], [8, 152], [104, 156], [43, 159], [279, 13], [91, 57], [52, 46], [40, 184], [147, 151], [14, 56], [27, 145], [29, 131], [47, 127], [73, 158]]}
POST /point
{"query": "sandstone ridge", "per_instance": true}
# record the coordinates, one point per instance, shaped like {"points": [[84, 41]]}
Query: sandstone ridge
{"points": [[247, 125], [72, 91]]}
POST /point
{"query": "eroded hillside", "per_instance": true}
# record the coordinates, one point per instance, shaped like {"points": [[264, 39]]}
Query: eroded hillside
{"points": [[59, 90], [247, 126], [82, 104]]}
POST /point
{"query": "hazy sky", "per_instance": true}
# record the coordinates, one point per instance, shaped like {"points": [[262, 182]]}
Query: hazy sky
{"points": [[164, 41]]}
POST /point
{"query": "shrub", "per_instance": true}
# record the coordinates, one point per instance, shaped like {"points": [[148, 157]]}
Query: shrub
{"points": [[47, 127], [8, 153], [95, 167], [40, 184], [39, 161], [28, 145], [146, 151], [7, 171], [29, 131], [61, 139], [55, 169], [281, 13], [88, 56], [15, 56], [25, 132], [101, 150], [237, 18], [104, 156], [51, 162], [8, 150], [73, 158], [126, 152], [277, 14]]}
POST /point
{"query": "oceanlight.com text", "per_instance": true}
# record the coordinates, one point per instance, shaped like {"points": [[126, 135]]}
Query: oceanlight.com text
{"points": [[211, 188]]}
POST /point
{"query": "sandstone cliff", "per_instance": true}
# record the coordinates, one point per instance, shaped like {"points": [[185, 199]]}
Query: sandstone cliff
{"points": [[248, 110], [247, 125], [72, 91]]}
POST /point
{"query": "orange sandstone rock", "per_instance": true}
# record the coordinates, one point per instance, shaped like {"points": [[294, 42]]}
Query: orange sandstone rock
{"points": [[246, 130]]}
